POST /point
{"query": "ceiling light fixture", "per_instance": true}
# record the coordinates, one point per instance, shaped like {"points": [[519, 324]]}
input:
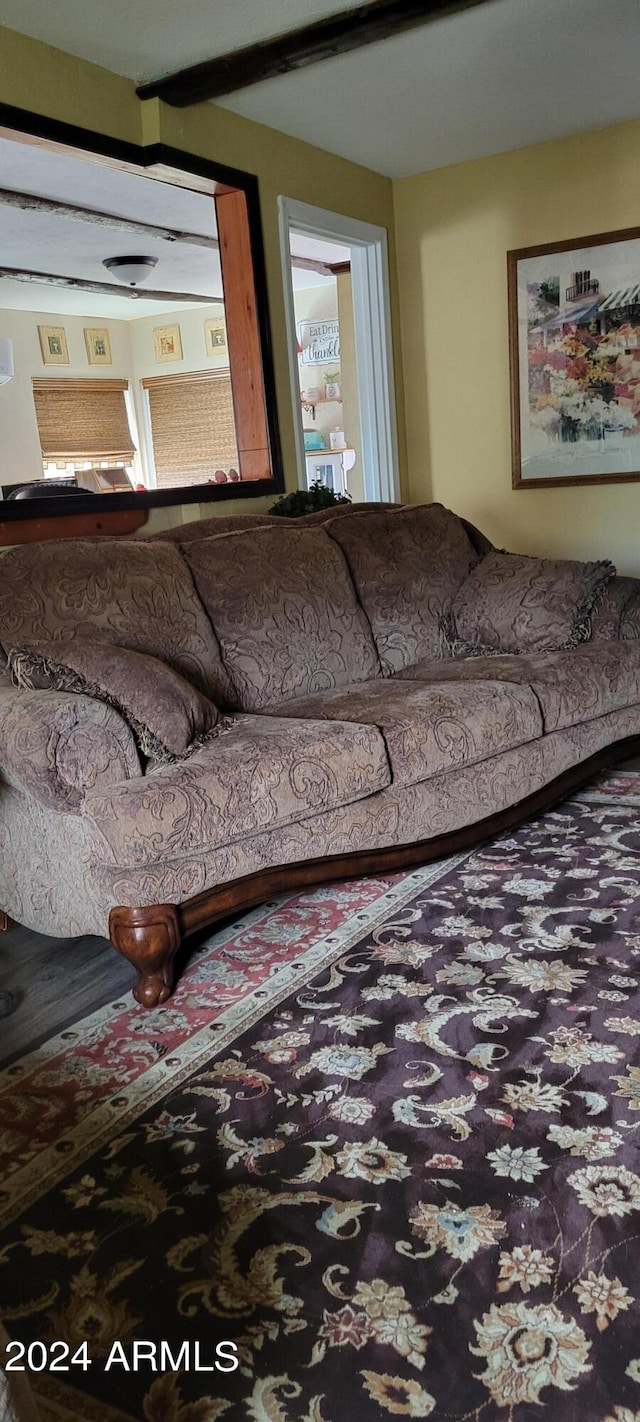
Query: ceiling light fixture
{"points": [[131, 270]]}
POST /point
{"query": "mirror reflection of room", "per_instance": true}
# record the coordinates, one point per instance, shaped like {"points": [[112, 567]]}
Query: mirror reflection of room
{"points": [[114, 363], [327, 374]]}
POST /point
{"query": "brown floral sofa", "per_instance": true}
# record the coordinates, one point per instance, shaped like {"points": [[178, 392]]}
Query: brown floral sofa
{"points": [[192, 722]]}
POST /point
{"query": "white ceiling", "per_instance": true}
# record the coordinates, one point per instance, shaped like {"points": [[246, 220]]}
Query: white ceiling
{"points": [[510, 73], [145, 38]]}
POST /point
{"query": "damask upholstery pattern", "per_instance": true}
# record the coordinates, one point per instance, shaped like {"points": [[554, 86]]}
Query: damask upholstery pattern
{"points": [[431, 728], [57, 746], [168, 716], [630, 617], [123, 591], [261, 794], [65, 849], [257, 775], [574, 685], [397, 815], [585, 682], [618, 612], [407, 566], [511, 603], [285, 613], [198, 528]]}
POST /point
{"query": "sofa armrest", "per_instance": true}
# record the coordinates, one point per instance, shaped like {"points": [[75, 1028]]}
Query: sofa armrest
{"points": [[617, 618], [57, 745]]}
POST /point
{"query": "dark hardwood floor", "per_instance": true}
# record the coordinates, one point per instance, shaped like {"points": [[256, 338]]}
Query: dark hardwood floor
{"points": [[53, 982]]}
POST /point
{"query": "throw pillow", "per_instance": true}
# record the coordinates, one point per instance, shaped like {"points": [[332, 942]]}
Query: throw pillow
{"points": [[169, 718], [512, 603]]}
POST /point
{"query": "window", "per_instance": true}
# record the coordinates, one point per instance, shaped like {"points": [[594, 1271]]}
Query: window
{"points": [[192, 428], [82, 424]]}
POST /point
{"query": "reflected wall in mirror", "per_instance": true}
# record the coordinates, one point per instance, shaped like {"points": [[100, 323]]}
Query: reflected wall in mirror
{"points": [[119, 387]]}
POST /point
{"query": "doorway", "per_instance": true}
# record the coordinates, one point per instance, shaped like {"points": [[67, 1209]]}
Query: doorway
{"points": [[335, 276]]}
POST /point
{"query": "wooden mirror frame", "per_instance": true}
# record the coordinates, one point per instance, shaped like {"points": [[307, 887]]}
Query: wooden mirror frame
{"points": [[189, 171]]}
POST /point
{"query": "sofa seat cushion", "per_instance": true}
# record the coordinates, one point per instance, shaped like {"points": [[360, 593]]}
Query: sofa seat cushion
{"points": [[407, 566], [113, 590], [513, 603], [572, 686], [261, 773], [428, 729], [285, 612]]}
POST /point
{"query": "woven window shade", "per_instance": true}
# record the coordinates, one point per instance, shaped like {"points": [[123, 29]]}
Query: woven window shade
{"points": [[193, 427], [83, 419]]}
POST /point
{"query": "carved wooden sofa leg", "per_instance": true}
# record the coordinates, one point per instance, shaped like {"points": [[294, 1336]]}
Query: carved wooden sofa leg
{"points": [[149, 939]]}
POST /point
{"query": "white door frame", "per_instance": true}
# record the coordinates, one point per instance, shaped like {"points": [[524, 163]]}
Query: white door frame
{"points": [[372, 322]]}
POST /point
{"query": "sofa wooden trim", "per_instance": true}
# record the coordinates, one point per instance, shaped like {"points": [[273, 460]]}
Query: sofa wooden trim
{"points": [[150, 937]]}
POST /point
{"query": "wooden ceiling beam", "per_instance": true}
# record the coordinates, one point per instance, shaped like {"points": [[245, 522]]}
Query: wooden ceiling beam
{"points": [[311, 264], [29, 202], [101, 288], [325, 39]]}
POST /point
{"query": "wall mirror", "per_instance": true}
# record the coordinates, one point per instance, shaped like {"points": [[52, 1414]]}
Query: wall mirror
{"points": [[135, 364]]}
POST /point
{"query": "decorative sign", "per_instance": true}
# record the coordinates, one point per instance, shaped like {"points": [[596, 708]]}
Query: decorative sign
{"points": [[320, 342]]}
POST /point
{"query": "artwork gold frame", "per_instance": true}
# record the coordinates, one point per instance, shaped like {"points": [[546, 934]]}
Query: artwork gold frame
{"points": [[98, 344], [167, 343], [53, 344], [215, 335], [574, 346]]}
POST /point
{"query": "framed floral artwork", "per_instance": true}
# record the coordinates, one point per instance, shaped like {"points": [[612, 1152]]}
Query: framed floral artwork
{"points": [[215, 335], [574, 341], [96, 339], [53, 344], [167, 343]]}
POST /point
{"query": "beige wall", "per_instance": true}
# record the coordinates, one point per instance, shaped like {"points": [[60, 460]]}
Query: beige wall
{"points": [[454, 228], [34, 76]]}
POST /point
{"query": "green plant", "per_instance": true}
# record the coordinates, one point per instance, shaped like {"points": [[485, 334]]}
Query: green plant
{"points": [[306, 501]]}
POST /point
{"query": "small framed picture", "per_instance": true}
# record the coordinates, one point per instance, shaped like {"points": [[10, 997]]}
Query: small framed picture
{"points": [[215, 335], [96, 339], [53, 344], [167, 343]]}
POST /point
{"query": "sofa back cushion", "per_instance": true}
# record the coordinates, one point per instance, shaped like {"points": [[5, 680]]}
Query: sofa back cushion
{"points": [[285, 612], [407, 566], [198, 528], [120, 591]]}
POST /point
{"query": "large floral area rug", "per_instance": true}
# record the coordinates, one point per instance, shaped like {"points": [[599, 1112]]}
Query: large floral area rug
{"points": [[384, 1140]]}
